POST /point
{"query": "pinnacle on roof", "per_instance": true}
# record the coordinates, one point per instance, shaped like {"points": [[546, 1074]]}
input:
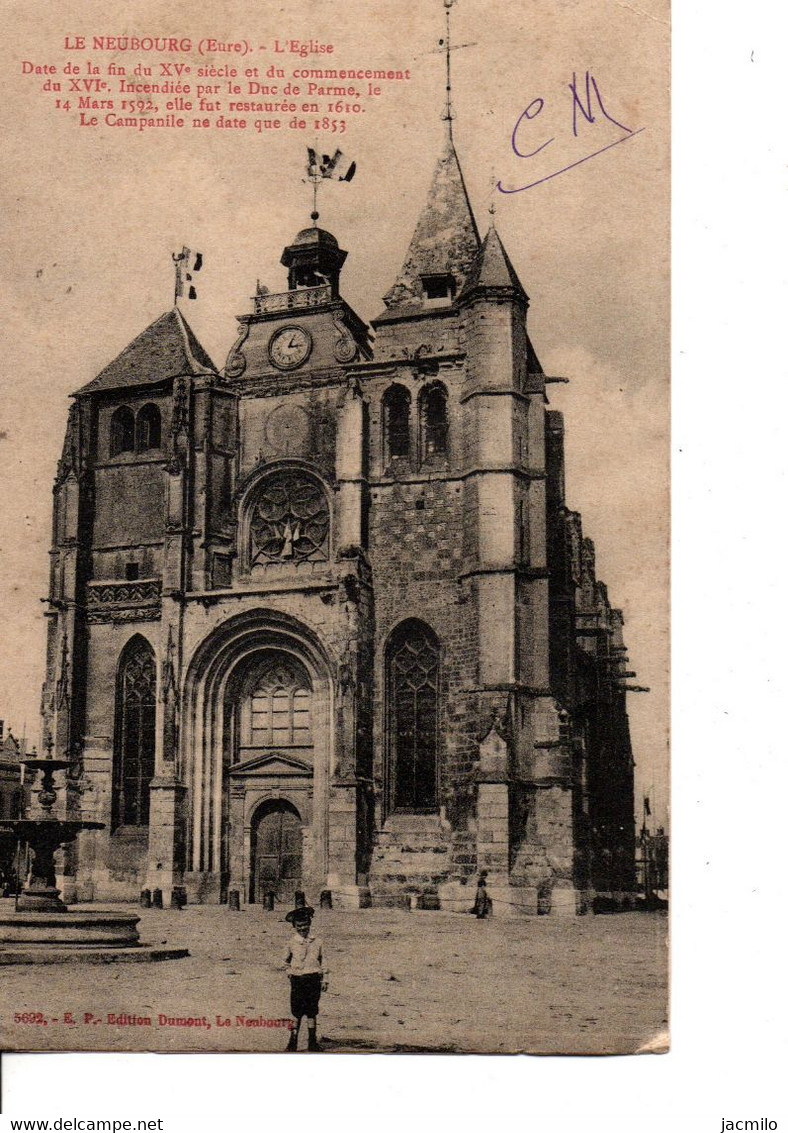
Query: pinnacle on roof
{"points": [[446, 239], [168, 348], [492, 268]]}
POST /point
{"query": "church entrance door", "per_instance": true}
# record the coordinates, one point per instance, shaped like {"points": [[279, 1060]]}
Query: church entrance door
{"points": [[276, 849]]}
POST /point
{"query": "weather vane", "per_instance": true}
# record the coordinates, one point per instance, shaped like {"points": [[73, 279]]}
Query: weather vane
{"points": [[320, 168]]}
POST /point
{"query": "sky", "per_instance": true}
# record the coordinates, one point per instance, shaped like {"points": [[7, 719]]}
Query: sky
{"points": [[91, 217]]}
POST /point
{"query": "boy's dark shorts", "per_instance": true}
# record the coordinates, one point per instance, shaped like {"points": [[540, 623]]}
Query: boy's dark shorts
{"points": [[305, 995]]}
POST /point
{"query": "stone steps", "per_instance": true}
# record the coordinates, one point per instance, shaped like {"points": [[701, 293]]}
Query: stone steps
{"points": [[412, 840], [411, 859], [391, 881], [389, 901], [413, 856], [464, 859]]}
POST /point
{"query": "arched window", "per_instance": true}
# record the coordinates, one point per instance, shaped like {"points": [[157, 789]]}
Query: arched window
{"points": [[396, 423], [135, 735], [413, 689], [277, 711], [434, 421], [121, 431], [148, 428]]}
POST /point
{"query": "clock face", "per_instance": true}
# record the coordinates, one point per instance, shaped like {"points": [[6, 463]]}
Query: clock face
{"points": [[289, 347]]}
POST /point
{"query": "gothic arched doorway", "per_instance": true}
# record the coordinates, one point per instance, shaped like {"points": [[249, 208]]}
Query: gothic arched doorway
{"points": [[257, 725], [275, 852]]}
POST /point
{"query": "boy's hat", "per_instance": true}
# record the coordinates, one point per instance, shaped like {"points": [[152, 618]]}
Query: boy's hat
{"points": [[302, 912]]}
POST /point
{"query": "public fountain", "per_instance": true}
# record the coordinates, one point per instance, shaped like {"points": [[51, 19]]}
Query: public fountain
{"points": [[41, 928]]}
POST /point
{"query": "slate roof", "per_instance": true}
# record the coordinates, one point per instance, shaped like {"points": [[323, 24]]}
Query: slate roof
{"points": [[167, 349], [446, 238], [492, 267]]}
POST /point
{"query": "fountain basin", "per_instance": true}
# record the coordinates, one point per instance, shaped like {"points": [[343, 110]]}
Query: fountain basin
{"points": [[38, 928], [72, 929], [43, 837]]}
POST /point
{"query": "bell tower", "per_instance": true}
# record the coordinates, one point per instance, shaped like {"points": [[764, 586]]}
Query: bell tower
{"points": [[307, 330]]}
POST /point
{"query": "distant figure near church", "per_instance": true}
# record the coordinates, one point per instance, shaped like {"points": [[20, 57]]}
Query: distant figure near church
{"points": [[482, 905]]}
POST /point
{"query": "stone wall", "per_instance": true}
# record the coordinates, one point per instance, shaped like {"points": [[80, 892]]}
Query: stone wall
{"points": [[416, 553]]}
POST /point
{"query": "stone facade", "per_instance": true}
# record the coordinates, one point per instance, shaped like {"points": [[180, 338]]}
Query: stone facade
{"points": [[323, 619]]}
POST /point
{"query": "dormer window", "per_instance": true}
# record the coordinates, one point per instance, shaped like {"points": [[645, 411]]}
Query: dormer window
{"points": [[439, 289]]}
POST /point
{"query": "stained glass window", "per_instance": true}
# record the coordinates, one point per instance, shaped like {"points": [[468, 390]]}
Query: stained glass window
{"points": [[135, 735], [413, 692], [280, 708], [290, 519]]}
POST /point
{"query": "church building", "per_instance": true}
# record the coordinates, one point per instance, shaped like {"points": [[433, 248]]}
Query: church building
{"points": [[323, 619]]}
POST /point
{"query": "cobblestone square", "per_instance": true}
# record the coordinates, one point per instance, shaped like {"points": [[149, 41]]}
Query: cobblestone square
{"points": [[399, 981]]}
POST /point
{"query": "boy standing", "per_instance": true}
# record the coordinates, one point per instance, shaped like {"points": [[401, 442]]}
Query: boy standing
{"points": [[306, 967]]}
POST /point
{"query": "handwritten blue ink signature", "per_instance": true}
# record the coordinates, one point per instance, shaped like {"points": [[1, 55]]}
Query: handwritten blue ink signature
{"points": [[589, 105]]}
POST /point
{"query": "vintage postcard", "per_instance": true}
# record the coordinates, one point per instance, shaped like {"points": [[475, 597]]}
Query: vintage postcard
{"points": [[334, 533]]}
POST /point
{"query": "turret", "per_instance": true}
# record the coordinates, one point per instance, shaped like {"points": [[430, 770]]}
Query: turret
{"points": [[314, 258]]}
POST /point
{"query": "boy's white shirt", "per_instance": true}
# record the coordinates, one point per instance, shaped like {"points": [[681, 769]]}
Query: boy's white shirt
{"points": [[305, 956]]}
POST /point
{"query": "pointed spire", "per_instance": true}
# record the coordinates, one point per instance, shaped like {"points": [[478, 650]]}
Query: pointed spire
{"points": [[70, 461], [492, 270], [446, 239]]}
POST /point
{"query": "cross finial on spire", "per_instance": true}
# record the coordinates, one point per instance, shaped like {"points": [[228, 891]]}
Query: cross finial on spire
{"points": [[448, 116], [445, 46]]}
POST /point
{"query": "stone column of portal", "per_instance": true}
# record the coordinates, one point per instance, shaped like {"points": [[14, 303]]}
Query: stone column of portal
{"points": [[238, 880], [343, 791]]}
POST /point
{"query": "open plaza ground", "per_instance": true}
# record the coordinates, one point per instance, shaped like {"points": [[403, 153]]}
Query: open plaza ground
{"points": [[399, 981]]}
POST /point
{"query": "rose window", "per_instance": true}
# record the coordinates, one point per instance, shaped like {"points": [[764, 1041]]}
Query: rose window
{"points": [[290, 520]]}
